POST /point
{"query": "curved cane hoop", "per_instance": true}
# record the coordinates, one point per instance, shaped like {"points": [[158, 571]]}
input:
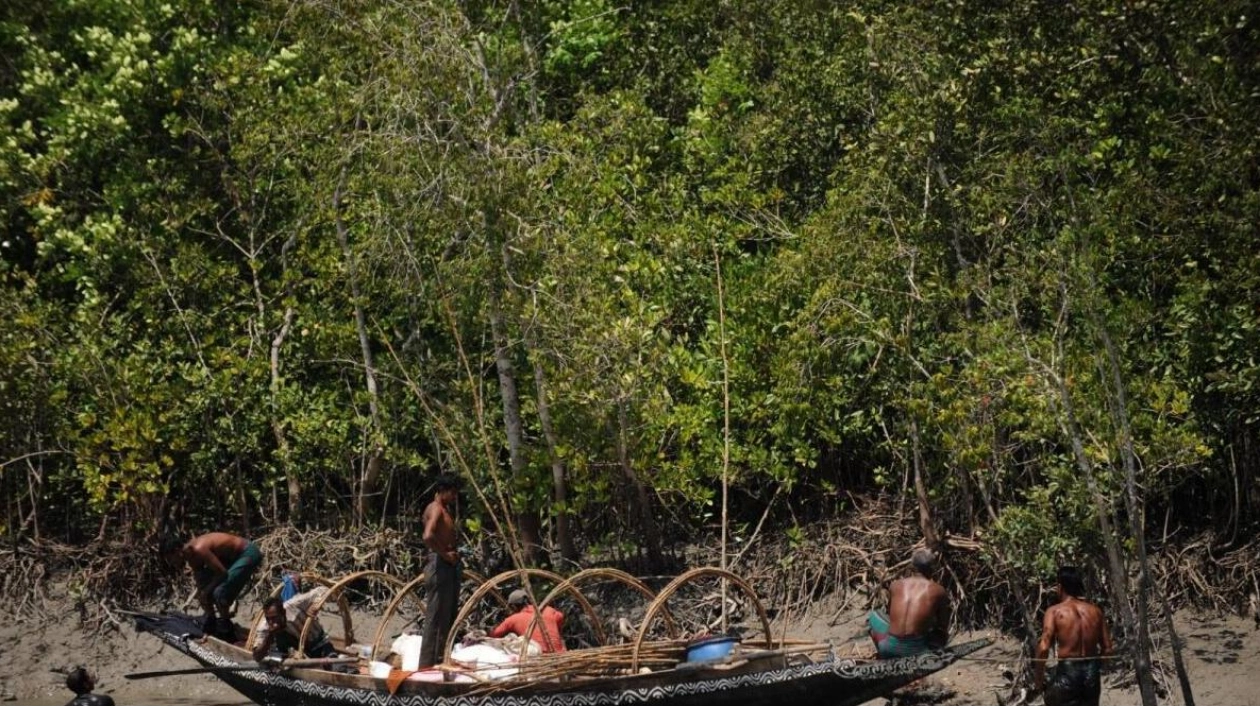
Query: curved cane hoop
{"points": [[493, 583], [409, 589], [587, 576], [570, 585], [335, 590], [342, 604], [683, 579]]}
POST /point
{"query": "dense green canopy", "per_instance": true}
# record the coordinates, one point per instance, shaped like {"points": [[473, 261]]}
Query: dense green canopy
{"points": [[268, 262]]}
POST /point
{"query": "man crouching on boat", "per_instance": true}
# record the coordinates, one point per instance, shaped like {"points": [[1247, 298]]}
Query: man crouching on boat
{"points": [[223, 564], [546, 627], [918, 612], [284, 622]]}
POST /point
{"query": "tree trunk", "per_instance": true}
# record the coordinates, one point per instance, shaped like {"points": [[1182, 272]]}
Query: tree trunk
{"points": [[296, 506], [920, 489], [14, 507], [370, 479], [277, 423], [559, 480], [1119, 578], [1246, 515], [1183, 677], [34, 479], [640, 501], [527, 521], [1135, 510], [242, 501]]}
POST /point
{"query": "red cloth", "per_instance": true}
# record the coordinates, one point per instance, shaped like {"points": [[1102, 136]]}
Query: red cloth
{"points": [[518, 623], [396, 679]]}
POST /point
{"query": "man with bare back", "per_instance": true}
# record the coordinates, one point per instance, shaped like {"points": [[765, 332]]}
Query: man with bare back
{"points": [[1078, 632], [222, 564], [918, 612], [442, 571]]}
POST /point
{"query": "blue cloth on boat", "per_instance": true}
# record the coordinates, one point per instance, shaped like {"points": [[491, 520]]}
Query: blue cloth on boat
{"points": [[890, 646], [289, 589]]}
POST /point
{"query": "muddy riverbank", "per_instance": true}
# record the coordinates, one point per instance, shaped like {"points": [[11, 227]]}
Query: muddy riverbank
{"points": [[1223, 655]]}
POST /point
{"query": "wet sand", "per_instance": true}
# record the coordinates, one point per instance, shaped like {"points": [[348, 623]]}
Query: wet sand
{"points": [[1222, 652]]}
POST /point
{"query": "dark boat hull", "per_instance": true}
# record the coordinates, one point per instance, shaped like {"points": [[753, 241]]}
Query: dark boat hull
{"points": [[839, 681]]}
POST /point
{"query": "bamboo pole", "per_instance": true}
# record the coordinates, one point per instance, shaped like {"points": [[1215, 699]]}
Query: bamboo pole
{"points": [[726, 423]]}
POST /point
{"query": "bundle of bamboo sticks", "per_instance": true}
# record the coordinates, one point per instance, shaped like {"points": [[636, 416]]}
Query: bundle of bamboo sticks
{"points": [[618, 661], [603, 661], [608, 660]]}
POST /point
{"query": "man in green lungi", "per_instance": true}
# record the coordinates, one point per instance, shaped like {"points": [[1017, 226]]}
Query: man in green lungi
{"points": [[918, 612], [223, 564]]}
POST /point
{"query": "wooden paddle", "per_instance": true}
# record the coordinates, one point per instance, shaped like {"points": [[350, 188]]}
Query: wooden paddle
{"points": [[284, 665]]}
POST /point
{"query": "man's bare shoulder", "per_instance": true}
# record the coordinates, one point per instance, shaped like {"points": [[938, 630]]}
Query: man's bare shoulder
{"points": [[1071, 609], [917, 584], [216, 539], [203, 543], [434, 507]]}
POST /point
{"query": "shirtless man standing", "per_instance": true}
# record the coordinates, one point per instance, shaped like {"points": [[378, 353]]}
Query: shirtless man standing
{"points": [[1078, 632], [918, 612], [441, 571], [222, 564]]}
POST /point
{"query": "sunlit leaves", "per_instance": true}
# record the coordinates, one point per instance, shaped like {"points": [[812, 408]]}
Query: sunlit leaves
{"points": [[918, 212]]}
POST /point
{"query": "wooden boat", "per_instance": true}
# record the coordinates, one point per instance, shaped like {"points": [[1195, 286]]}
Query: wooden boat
{"points": [[643, 672]]}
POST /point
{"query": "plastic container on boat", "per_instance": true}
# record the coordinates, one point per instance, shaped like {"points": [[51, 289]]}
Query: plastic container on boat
{"points": [[408, 646], [377, 669], [711, 648]]}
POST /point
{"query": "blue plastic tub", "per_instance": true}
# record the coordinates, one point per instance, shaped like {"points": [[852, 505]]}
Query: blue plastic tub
{"points": [[712, 648]]}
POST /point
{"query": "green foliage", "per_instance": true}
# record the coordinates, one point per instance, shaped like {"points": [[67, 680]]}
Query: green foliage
{"points": [[922, 219], [580, 37]]}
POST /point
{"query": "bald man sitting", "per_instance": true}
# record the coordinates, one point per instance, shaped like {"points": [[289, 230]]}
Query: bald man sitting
{"points": [[918, 612]]}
